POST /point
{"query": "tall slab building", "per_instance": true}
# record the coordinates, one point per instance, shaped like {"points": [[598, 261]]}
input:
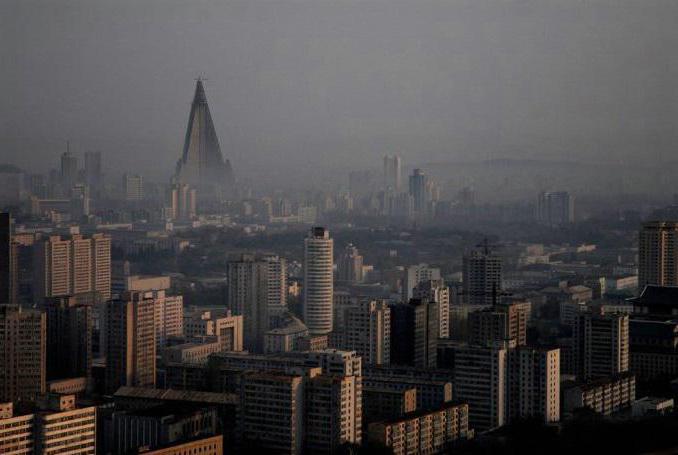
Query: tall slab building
{"points": [[657, 254], [8, 256], [202, 165], [257, 291], [318, 281]]}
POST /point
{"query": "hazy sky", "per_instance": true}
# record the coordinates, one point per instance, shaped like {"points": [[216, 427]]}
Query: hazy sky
{"points": [[301, 84]]}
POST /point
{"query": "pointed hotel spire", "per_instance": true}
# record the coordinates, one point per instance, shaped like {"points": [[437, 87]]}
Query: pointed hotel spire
{"points": [[202, 164], [200, 96]]}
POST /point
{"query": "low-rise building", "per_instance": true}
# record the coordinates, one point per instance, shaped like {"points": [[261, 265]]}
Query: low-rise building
{"points": [[213, 445], [195, 352], [56, 427], [220, 323], [423, 431], [604, 396], [286, 335], [652, 406], [16, 432], [161, 425]]}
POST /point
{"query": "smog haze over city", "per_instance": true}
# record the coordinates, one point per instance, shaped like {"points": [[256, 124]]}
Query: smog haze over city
{"points": [[338, 227], [303, 89]]}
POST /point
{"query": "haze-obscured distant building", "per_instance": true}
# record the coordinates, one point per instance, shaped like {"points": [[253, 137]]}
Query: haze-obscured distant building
{"points": [[133, 187], [350, 265], [482, 277], [555, 208], [416, 274], [392, 173], [182, 200]]}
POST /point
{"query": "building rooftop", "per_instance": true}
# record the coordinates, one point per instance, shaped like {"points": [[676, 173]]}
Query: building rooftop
{"points": [[289, 324], [167, 409], [423, 412], [176, 395], [657, 295], [641, 327], [587, 385]]}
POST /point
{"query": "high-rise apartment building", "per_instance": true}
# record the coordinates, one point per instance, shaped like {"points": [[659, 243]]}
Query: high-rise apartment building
{"points": [[533, 384], [658, 254], [382, 403], [130, 344], [22, 353], [503, 322], [169, 309], [436, 291], [555, 208], [273, 417], [392, 173], [481, 275], [416, 274], [365, 329], [73, 265], [294, 402], [8, 261], [480, 379], [257, 291], [69, 337], [432, 390], [318, 281], [133, 187], [276, 284], [169, 316], [601, 345], [414, 333], [333, 412], [350, 265]]}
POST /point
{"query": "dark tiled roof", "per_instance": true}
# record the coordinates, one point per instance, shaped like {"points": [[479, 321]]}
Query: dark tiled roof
{"points": [[658, 295], [652, 328]]}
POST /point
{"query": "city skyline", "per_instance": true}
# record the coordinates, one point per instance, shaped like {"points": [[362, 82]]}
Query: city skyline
{"points": [[440, 227], [445, 76]]}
